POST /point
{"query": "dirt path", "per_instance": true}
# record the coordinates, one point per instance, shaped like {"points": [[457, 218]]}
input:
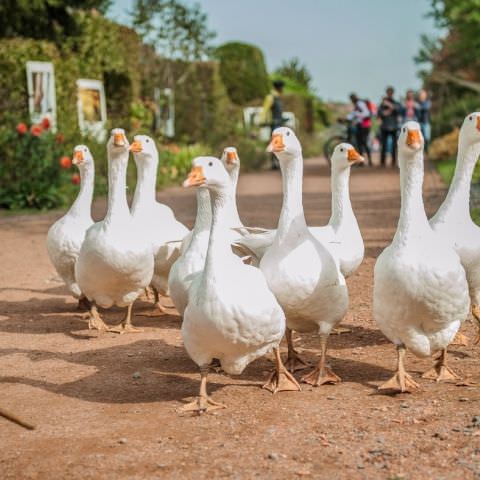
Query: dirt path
{"points": [[104, 405]]}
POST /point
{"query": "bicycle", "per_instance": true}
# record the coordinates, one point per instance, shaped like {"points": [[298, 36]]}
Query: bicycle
{"points": [[346, 133]]}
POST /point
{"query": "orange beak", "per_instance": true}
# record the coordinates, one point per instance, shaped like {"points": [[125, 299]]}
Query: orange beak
{"points": [[478, 122], [276, 145], [232, 157], [354, 156], [413, 139], [136, 147], [119, 139], [78, 157], [195, 178]]}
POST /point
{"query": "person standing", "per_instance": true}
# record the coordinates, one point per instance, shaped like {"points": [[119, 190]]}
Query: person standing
{"points": [[389, 112], [424, 105], [272, 112], [410, 111], [361, 119]]}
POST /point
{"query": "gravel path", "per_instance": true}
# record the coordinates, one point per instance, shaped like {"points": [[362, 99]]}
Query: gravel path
{"points": [[104, 405]]}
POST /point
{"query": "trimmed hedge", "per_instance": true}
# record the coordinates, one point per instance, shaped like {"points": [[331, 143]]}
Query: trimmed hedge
{"points": [[243, 71]]}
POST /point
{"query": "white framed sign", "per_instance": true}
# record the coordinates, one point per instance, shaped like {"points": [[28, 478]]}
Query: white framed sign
{"points": [[165, 111], [41, 92], [92, 108]]}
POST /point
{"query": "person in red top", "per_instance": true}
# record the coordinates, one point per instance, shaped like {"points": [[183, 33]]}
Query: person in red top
{"points": [[361, 119]]}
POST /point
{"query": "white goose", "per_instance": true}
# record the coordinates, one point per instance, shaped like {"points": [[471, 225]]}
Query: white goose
{"points": [[420, 288], [300, 271], [231, 313], [66, 235], [231, 162], [192, 259], [453, 220], [341, 236], [156, 220], [115, 264]]}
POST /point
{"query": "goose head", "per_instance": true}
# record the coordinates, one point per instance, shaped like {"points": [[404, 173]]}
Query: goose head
{"points": [[208, 172], [344, 156], [117, 143], [470, 130], [285, 144], [144, 149], [230, 159], [82, 157], [410, 140]]}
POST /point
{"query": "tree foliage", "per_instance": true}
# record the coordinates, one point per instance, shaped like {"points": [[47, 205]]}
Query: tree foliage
{"points": [[44, 19], [176, 30], [296, 72], [452, 61], [243, 71]]}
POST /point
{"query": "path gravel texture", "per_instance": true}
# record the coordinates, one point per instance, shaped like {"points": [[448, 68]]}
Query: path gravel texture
{"points": [[105, 405]]}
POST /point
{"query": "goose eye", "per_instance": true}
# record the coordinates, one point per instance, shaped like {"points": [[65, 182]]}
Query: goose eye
{"points": [[404, 130], [210, 164], [288, 133], [470, 117], [147, 140], [341, 149]]}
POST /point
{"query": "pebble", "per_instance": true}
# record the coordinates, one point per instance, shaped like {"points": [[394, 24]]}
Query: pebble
{"points": [[404, 405], [463, 399], [331, 398], [123, 441], [273, 456], [136, 375]]}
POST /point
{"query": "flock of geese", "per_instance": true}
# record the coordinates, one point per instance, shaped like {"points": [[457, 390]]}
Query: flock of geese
{"points": [[240, 289]]}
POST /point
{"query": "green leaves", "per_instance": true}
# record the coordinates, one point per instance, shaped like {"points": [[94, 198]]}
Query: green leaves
{"points": [[243, 71], [30, 173], [174, 29]]}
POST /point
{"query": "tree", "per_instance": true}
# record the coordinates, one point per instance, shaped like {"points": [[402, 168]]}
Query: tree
{"points": [[295, 71], [175, 30], [453, 61], [243, 71], [44, 19]]}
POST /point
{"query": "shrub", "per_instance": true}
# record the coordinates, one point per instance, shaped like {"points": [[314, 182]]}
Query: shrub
{"points": [[444, 147], [243, 71], [175, 162], [33, 167]]}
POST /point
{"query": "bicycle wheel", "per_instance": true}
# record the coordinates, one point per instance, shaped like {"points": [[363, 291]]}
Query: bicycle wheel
{"points": [[329, 146]]}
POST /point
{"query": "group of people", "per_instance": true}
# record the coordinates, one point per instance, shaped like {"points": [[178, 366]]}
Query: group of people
{"points": [[391, 114]]}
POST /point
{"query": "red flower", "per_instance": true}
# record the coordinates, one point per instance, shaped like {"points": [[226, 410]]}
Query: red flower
{"points": [[36, 130], [65, 162], [22, 128], [59, 138], [76, 179], [45, 123]]}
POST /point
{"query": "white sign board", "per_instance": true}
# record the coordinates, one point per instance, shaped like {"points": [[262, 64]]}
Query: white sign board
{"points": [[41, 93], [92, 109]]}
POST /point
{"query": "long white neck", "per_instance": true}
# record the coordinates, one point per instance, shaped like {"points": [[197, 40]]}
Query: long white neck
{"points": [[413, 220], [203, 220], [233, 216], [117, 181], [292, 217], [457, 201], [82, 205], [219, 249], [144, 196], [341, 204]]}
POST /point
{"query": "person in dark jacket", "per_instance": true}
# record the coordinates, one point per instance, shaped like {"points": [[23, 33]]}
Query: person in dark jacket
{"points": [[272, 112], [389, 112]]}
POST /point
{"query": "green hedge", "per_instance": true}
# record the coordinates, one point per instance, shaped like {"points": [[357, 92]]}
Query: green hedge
{"points": [[243, 71]]}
